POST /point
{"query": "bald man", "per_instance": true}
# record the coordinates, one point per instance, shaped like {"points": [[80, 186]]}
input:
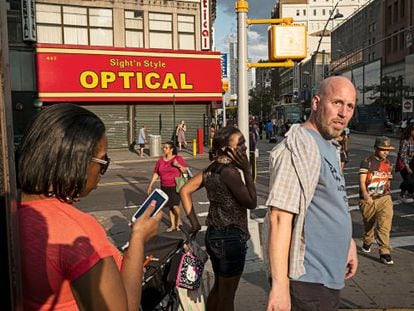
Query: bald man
{"points": [[311, 251]]}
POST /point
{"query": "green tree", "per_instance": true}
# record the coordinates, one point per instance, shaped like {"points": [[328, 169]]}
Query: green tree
{"points": [[261, 101]]}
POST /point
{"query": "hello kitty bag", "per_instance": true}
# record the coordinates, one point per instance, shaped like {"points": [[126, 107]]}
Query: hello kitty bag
{"points": [[190, 271]]}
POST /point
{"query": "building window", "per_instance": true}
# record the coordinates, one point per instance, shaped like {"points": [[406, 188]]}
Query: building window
{"points": [[388, 45], [49, 20], [388, 20], [160, 31], [394, 42], [304, 12], [402, 8], [323, 11], [402, 41], [314, 12], [395, 12], [74, 25], [134, 29], [186, 32], [297, 12], [100, 22], [373, 56], [75, 20]]}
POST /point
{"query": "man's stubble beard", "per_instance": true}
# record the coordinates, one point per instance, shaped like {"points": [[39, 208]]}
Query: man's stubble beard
{"points": [[326, 131]]}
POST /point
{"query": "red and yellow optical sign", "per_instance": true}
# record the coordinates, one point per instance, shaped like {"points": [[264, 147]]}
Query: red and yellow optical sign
{"points": [[73, 73]]}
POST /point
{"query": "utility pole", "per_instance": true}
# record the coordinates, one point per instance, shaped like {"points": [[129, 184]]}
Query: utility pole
{"points": [[10, 272], [242, 7]]}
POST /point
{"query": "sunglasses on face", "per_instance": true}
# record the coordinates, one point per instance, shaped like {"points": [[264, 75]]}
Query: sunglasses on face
{"points": [[104, 163]]}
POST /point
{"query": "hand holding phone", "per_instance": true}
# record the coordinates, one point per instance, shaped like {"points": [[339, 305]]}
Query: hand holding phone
{"points": [[238, 157], [145, 227], [160, 198]]}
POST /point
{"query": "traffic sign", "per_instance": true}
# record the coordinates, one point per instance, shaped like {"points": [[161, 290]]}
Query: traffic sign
{"points": [[407, 105]]}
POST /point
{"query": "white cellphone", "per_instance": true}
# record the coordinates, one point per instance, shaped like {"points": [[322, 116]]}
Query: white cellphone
{"points": [[161, 199]]}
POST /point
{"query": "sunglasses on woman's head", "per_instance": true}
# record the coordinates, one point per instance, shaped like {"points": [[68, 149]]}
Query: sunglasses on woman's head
{"points": [[104, 163]]}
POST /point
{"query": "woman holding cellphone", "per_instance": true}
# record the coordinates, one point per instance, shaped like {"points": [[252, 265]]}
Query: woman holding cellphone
{"points": [[169, 166], [68, 262], [229, 197]]}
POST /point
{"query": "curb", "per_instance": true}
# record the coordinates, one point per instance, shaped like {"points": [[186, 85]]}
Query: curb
{"points": [[155, 159]]}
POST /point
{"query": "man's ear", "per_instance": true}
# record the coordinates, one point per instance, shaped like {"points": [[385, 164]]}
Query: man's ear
{"points": [[315, 102]]}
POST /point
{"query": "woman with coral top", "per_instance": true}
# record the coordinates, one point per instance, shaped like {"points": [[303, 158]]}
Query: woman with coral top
{"points": [[68, 262]]}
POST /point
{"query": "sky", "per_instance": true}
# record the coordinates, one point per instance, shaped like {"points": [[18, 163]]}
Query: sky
{"points": [[226, 26]]}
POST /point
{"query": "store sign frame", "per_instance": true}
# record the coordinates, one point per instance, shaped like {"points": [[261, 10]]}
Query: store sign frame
{"points": [[205, 25], [76, 73]]}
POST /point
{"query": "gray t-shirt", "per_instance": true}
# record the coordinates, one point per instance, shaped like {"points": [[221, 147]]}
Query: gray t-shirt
{"points": [[328, 225]]}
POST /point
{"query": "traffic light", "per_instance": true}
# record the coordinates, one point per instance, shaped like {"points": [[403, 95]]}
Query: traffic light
{"points": [[287, 42], [224, 86]]}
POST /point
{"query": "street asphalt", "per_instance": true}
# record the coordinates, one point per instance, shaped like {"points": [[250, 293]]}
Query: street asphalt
{"points": [[375, 287]]}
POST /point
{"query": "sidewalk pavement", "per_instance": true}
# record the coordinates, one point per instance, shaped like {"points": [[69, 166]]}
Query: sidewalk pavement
{"points": [[119, 156], [375, 287]]}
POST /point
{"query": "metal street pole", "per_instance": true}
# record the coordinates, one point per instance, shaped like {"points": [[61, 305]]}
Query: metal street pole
{"points": [[323, 64], [224, 111], [174, 127], [242, 7]]}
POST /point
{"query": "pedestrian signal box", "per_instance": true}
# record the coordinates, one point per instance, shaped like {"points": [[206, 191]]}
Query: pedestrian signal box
{"points": [[224, 86], [287, 42]]}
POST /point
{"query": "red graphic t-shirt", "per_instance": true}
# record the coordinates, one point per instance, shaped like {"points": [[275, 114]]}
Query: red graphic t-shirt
{"points": [[378, 173]]}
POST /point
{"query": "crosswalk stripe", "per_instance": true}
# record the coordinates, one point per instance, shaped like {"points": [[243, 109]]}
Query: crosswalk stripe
{"points": [[352, 186], [394, 202]]}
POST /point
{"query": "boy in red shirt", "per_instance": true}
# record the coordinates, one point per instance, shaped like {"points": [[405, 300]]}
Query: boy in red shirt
{"points": [[375, 199]]}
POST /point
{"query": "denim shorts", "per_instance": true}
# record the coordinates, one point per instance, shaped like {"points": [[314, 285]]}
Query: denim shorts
{"points": [[227, 250]]}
